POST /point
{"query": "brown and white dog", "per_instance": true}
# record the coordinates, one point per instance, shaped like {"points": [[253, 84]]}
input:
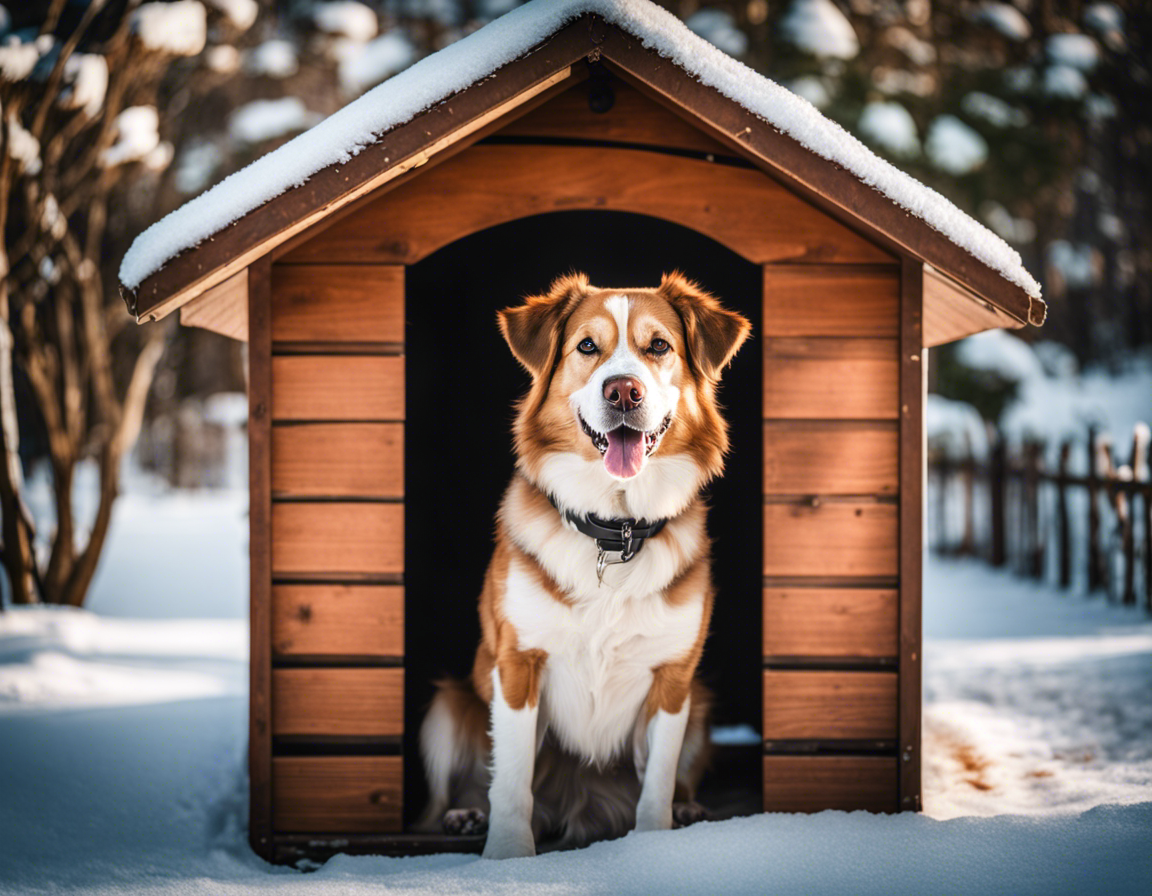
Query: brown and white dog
{"points": [[583, 716]]}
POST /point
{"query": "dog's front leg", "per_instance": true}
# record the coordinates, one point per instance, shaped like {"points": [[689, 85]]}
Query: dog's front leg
{"points": [[515, 711], [665, 737]]}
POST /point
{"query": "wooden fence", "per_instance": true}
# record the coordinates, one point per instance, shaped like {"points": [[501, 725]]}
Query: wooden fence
{"points": [[1025, 509]]}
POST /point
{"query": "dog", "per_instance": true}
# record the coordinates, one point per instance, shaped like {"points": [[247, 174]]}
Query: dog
{"points": [[583, 716]]}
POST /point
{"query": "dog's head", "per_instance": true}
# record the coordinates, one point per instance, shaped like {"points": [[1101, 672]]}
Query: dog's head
{"points": [[623, 383]]}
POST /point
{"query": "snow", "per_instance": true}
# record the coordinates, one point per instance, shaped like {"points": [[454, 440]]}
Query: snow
{"points": [[346, 18], [999, 352], [376, 61], [993, 110], [431, 80], [17, 59], [23, 147], [818, 27], [1107, 20], [240, 13], [890, 126], [179, 28], [811, 88], [274, 58], [1006, 19], [719, 28], [198, 159], [223, 59], [919, 52], [264, 119], [954, 147], [954, 428], [1015, 230], [86, 83], [1076, 263], [137, 135], [1076, 50], [1065, 82]]}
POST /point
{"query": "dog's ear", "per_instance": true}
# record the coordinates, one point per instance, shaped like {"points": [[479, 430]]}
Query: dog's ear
{"points": [[533, 329], [713, 333]]}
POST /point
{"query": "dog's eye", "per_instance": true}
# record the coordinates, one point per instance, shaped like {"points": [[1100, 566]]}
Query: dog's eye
{"points": [[658, 346], [587, 347]]}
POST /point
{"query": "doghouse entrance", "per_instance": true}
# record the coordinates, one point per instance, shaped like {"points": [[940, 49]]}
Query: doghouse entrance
{"points": [[461, 382]]}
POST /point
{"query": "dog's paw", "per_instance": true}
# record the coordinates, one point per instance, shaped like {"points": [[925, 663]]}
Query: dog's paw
{"points": [[514, 842], [684, 814], [464, 822]]}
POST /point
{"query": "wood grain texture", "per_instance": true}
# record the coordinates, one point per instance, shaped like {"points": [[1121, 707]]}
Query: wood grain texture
{"points": [[816, 783], [335, 537], [366, 702], [338, 794], [337, 303], [633, 118], [831, 378], [338, 460], [831, 300], [259, 319], [913, 389], [849, 538], [821, 458], [829, 705], [222, 309], [490, 184], [337, 387], [830, 622], [951, 311], [338, 620]]}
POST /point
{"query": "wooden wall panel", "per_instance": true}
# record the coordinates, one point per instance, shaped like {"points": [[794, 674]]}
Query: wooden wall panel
{"points": [[818, 705], [831, 300], [337, 387], [816, 783], [350, 702], [820, 458], [490, 184], [338, 620], [831, 378], [830, 622], [832, 538], [337, 794], [336, 537], [633, 119], [338, 460], [337, 303]]}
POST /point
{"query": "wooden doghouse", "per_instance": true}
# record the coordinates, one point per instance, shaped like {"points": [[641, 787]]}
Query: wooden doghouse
{"points": [[390, 264]]}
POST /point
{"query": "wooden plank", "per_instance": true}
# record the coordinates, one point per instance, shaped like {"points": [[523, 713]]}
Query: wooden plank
{"points": [[633, 118], [824, 458], [831, 622], [829, 705], [816, 783], [260, 558], [337, 303], [826, 184], [366, 702], [831, 378], [222, 309], [490, 184], [831, 300], [841, 538], [338, 620], [913, 389], [338, 460], [338, 794], [432, 136], [337, 387], [337, 537], [952, 311]]}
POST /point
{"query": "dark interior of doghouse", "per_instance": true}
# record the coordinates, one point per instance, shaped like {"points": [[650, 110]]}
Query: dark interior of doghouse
{"points": [[461, 385]]}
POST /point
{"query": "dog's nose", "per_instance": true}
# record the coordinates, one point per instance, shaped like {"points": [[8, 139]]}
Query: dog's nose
{"points": [[624, 392]]}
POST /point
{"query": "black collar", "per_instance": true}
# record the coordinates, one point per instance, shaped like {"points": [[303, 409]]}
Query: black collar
{"points": [[622, 536]]}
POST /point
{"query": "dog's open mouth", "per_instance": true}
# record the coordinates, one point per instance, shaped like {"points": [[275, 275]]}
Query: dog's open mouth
{"points": [[624, 449]]}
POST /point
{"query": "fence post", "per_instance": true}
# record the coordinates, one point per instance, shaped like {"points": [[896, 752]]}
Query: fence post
{"points": [[1095, 573], [968, 484], [997, 484], [1126, 510], [1035, 545], [1063, 535]]}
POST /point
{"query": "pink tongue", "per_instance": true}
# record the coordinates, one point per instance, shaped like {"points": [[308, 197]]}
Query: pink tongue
{"points": [[625, 454]]}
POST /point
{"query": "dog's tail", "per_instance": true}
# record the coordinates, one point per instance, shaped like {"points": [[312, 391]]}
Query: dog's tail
{"points": [[454, 744]]}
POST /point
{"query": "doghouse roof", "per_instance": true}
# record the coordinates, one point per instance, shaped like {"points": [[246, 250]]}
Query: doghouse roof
{"points": [[455, 96]]}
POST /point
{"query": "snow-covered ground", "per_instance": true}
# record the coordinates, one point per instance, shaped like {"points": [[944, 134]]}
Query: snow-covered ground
{"points": [[122, 740]]}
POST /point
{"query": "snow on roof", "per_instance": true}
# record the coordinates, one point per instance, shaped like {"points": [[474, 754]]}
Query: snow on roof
{"points": [[437, 77]]}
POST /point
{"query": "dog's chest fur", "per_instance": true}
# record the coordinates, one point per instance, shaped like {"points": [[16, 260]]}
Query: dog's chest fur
{"points": [[601, 653]]}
